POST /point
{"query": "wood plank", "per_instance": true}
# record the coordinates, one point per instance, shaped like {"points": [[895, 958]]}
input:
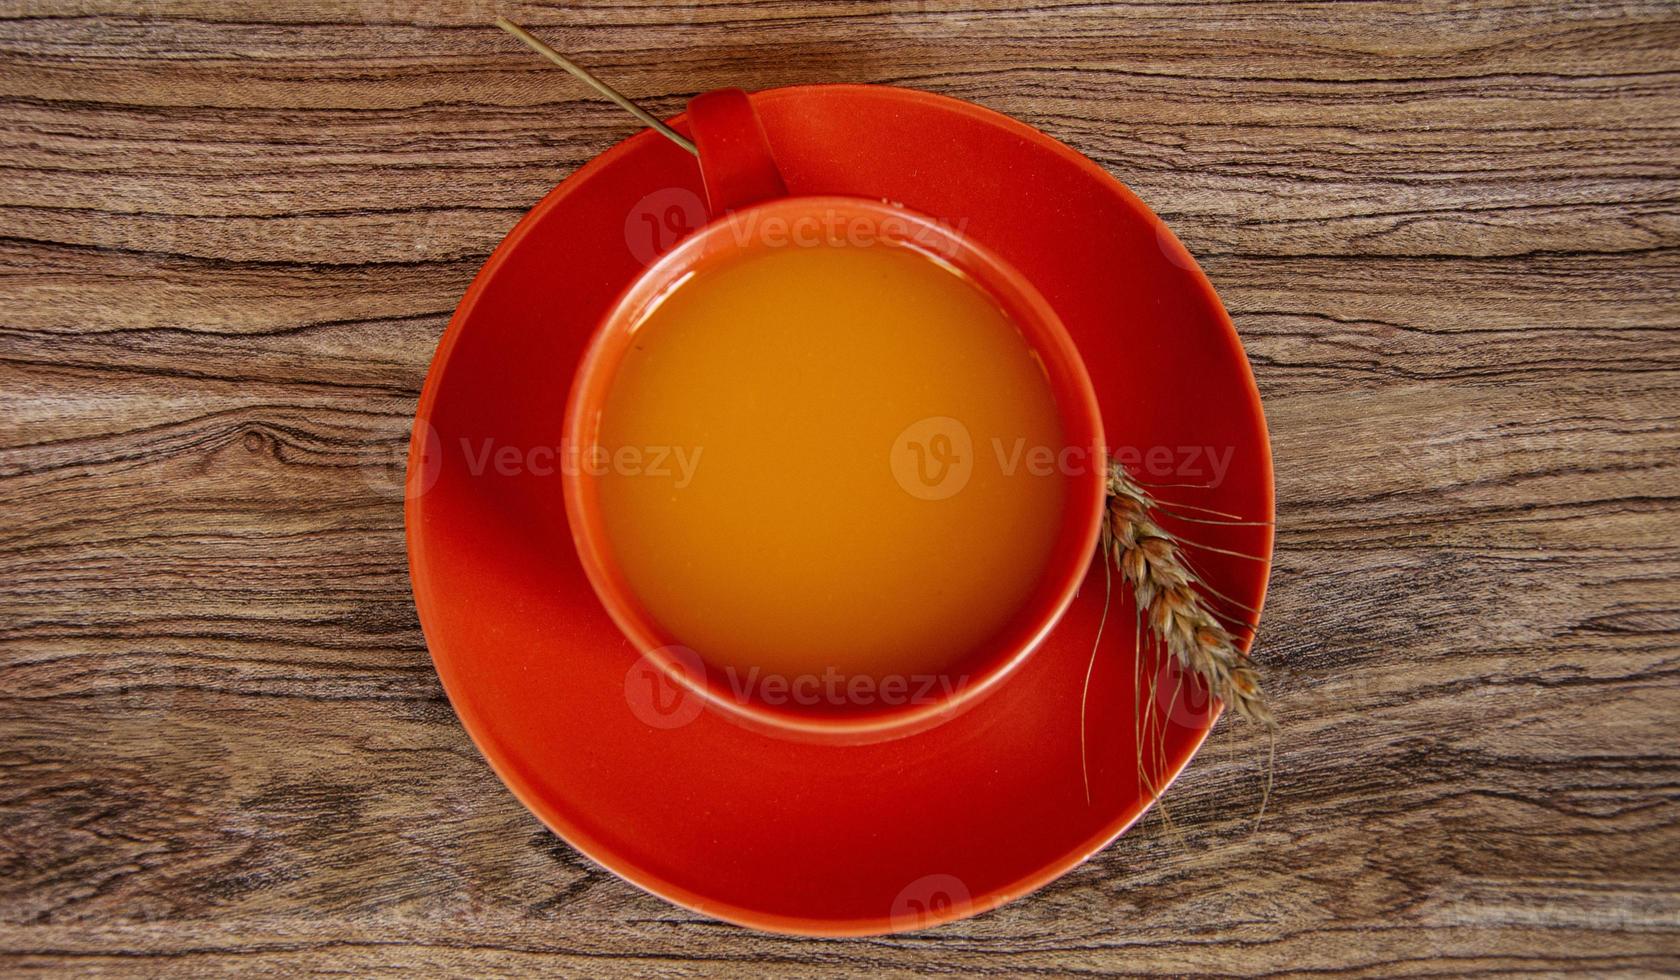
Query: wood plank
{"points": [[231, 235]]}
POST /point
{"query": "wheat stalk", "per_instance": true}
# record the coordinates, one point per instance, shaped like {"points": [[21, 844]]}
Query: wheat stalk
{"points": [[1169, 596]]}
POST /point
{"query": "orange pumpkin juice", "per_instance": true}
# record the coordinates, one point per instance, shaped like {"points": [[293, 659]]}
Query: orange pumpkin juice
{"points": [[852, 420]]}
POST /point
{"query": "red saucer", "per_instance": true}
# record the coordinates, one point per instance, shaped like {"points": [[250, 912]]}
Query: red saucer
{"points": [[796, 836]]}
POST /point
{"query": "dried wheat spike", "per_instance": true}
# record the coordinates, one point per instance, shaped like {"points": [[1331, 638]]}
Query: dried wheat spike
{"points": [[1148, 556]]}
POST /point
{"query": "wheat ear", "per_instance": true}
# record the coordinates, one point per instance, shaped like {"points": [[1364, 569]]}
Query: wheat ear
{"points": [[1168, 593]]}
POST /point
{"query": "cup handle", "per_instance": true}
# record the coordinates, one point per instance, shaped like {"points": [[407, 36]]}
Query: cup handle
{"points": [[736, 165]]}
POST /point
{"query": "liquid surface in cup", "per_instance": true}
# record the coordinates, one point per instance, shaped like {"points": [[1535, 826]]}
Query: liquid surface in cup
{"points": [[845, 485]]}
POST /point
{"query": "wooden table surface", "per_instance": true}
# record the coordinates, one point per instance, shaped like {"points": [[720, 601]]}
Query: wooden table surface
{"points": [[231, 235]]}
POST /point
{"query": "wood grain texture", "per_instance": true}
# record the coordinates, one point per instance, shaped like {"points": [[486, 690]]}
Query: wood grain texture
{"points": [[231, 235]]}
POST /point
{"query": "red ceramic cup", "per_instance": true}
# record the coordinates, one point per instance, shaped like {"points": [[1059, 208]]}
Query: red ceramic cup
{"points": [[746, 198]]}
